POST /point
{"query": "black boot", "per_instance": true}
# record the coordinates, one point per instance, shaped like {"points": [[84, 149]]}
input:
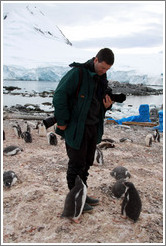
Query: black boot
{"points": [[92, 201], [87, 208]]}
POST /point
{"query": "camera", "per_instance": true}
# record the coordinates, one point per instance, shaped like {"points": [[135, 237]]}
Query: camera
{"points": [[50, 121], [115, 97]]}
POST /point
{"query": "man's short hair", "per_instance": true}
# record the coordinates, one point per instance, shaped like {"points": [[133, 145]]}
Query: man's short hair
{"points": [[106, 55]]}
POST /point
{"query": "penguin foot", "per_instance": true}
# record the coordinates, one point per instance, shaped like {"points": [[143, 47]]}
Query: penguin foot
{"points": [[76, 221], [123, 217]]}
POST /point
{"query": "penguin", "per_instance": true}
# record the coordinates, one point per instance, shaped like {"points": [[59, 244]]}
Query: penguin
{"points": [[118, 189], [131, 205], [17, 130], [148, 140], [106, 145], [125, 139], [108, 140], [75, 201], [27, 137], [12, 150], [120, 172], [28, 128], [52, 138], [156, 135], [9, 178], [42, 130], [31, 125], [4, 138], [99, 156]]}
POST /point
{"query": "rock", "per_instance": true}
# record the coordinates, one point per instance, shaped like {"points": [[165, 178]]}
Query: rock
{"points": [[133, 89]]}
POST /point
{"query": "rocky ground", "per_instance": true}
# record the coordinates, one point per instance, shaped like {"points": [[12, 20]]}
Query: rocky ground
{"points": [[32, 207]]}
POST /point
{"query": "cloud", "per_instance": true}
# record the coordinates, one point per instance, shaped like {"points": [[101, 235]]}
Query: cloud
{"points": [[148, 38], [117, 24]]}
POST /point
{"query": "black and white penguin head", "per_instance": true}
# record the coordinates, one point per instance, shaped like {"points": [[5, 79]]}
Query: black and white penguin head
{"points": [[120, 172], [9, 178]]}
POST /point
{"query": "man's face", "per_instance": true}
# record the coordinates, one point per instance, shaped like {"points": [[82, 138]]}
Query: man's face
{"points": [[101, 67]]}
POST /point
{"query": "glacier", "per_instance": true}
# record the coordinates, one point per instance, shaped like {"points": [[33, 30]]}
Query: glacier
{"points": [[55, 73]]}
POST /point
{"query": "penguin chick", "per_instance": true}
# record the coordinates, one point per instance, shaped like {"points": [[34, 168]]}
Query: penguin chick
{"points": [[12, 150], [75, 201], [118, 189], [42, 130], [99, 156], [9, 178], [131, 205], [148, 140], [120, 172], [27, 137], [52, 138]]}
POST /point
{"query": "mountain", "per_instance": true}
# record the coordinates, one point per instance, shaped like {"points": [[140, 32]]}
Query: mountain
{"points": [[31, 40], [35, 48]]}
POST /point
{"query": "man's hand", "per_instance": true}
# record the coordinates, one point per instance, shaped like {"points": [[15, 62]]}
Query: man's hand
{"points": [[107, 101], [62, 127]]}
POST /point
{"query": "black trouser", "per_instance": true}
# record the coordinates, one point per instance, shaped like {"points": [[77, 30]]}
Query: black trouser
{"points": [[81, 160]]}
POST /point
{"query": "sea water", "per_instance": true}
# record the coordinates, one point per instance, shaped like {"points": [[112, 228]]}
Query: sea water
{"points": [[127, 108]]}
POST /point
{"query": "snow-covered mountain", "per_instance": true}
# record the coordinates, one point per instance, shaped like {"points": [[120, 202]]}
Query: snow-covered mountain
{"points": [[31, 22], [31, 40]]}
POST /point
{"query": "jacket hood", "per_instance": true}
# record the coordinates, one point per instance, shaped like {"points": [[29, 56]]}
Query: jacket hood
{"points": [[89, 64]]}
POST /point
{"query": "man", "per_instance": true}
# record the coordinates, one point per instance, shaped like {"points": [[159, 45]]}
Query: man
{"points": [[80, 102]]}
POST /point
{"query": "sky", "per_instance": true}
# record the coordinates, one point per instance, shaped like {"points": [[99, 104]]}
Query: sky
{"points": [[125, 26]]}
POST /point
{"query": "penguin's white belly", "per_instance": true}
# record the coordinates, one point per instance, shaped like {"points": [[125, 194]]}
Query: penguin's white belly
{"points": [[82, 203]]}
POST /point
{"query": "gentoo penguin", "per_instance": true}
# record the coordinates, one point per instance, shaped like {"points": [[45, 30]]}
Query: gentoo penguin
{"points": [[118, 189], [108, 140], [75, 201], [9, 178], [52, 138], [17, 130], [28, 128], [131, 205], [156, 135], [99, 156], [106, 145], [12, 150], [125, 139], [120, 172], [27, 137], [148, 140], [42, 130]]}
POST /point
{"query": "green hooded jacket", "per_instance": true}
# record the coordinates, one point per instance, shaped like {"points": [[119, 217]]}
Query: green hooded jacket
{"points": [[72, 110]]}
